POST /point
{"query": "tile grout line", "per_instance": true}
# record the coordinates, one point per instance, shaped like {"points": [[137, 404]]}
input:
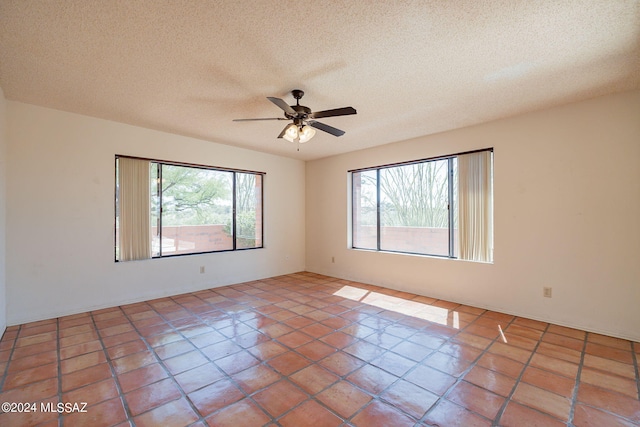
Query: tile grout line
{"points": [[341, 350], [178, 331], [10, 359], [419, 363], [160, 362], [634, 356], [343, 420], [181, 328], [466, 371], [374, 397], [581, 365], [312, 285], [413, 368], [574, 396], [58, 351], [287, 377], [389, 350], [261, 362], [199, 350], [356, 386], [496, 420], [249, 396], [114, 375]]}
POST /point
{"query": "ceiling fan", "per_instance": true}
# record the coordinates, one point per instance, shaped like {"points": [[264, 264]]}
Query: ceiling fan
{"points": [[302, 128]]}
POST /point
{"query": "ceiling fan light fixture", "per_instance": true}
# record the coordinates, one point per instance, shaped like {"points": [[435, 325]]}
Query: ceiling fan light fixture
{"points": [[291, 133], [306, 133]]}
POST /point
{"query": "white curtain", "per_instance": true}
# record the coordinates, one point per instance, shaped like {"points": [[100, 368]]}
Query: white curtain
{"points": [[475, 206], [134, 188]]}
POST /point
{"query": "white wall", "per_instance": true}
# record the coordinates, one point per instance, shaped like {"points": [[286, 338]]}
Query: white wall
{"points": [[60, 209], [3, 212], [567, 215]]}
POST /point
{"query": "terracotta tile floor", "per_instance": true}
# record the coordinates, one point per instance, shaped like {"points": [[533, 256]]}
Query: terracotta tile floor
{"points": [[310, 350]]}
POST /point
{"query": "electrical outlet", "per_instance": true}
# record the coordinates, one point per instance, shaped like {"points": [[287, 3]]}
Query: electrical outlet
{"points": [[546, 292], [202, 269]]}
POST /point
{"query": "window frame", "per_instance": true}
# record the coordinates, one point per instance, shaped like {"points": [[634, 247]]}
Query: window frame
{"points": [[451, 207], [194, 166]]}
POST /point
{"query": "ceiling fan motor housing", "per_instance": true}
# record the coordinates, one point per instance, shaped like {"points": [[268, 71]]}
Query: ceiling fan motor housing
{"points": [[302, 112]]}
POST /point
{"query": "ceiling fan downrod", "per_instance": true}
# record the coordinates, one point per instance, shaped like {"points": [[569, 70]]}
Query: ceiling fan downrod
{"points": [[297, 94]]}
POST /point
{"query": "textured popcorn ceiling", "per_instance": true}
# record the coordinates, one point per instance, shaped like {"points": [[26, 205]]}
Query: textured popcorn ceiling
{"points": [[410, 68]]}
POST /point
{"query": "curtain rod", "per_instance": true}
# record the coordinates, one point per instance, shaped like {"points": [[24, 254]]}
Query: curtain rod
{"points": [[193, 165], [410, 162]]}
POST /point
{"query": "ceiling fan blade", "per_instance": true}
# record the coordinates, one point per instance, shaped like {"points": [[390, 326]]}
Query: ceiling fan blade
{"points": [[250, 120], [282, 104], [326, 128], [345, 111], [284, 131]]}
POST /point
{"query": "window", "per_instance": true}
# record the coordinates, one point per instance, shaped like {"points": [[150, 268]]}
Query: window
{"points": [[166, 209], [441, 207]]}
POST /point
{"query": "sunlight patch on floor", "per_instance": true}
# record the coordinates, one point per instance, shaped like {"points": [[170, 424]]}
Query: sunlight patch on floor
{"points": [[420, 310]]}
